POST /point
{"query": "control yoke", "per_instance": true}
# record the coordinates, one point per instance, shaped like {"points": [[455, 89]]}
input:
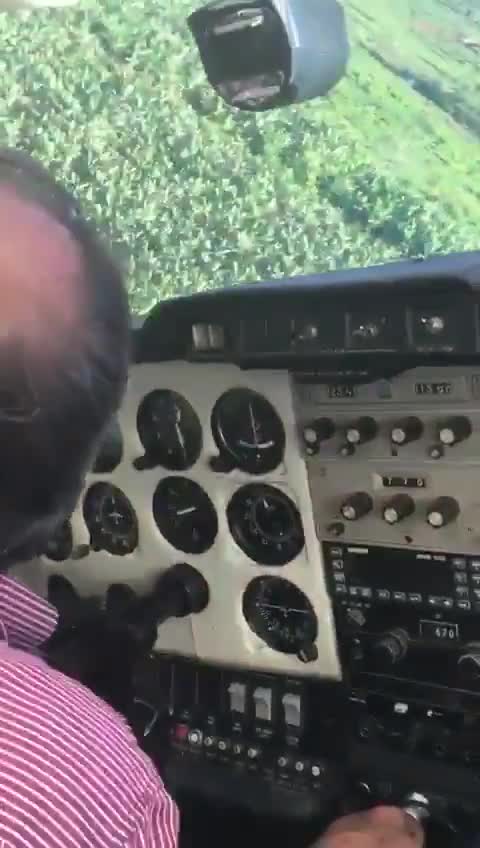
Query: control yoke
{"points": [[99, 641]]}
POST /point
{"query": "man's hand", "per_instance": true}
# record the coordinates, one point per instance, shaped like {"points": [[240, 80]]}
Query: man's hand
{"points": [[382, 827]]}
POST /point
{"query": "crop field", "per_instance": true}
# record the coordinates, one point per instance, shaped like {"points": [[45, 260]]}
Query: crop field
{"points": [[193, 195]]}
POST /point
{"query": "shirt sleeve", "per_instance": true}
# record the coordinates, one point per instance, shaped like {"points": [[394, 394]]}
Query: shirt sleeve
{"points": [[26, 618], [159, 825]]}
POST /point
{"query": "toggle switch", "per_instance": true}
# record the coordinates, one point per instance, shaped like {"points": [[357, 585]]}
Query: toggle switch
{"points": [[262, 699], [238, 697], [292, 707]]}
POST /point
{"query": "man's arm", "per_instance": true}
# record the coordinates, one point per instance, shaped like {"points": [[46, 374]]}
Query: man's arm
{"points": [[27, 619]]}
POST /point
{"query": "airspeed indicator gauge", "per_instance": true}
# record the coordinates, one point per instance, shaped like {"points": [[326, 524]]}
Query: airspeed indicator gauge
{"points": [[248, 431]]}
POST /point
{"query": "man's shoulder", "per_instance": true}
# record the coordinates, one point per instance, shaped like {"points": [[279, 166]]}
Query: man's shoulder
{"points": [[42, 684], [64, 748]]}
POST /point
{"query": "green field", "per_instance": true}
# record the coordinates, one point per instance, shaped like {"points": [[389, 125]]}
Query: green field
{"points": [[194, 195]]}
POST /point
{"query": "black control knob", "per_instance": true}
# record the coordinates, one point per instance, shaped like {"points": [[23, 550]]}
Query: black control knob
{"points": [[454, 430], [356, 506], [361, 431], [469, 665], [398, 508], [308, 653], [442, 511], [318, 431], [390, 649], [407, 430], [180, 591]]}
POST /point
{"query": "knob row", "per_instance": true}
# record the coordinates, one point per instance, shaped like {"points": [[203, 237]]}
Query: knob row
{"points": [[449, 432], [392, 647], [442, 510]]}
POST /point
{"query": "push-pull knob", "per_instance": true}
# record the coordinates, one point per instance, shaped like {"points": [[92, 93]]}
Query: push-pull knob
{"points": [[417, 806], [362, 430], [317, 431], [437, 814], [356, 506], [399, 507], [407, 430], [442, 511], [454, 430]]}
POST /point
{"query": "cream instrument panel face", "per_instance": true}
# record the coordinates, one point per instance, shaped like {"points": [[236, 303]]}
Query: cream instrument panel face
{"points": [[243, 474], [220, 519]]}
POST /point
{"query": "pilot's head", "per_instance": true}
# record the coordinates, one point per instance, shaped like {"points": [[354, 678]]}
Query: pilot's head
{"points": [[64, 350]]}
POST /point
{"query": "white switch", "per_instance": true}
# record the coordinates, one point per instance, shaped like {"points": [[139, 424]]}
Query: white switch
{"points": [[208, 337], [262, 698], [292, 705], [238, 697]]}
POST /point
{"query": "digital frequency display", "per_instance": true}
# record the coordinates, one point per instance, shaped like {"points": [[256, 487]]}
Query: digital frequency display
{"points": [[398, 571], [390, 481], [433, 389]]}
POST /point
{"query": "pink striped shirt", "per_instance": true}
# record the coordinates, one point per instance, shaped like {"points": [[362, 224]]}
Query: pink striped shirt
{"points": [[71, 773]]}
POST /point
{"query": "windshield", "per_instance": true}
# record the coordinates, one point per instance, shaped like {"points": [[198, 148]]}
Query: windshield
{"points": [[195, 195]]}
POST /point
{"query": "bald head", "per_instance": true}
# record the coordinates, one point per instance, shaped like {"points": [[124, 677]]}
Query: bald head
{"points": [[42, 299], [64, 353]]}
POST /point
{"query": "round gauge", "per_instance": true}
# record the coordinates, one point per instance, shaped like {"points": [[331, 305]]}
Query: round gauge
{"points": [[111, 450], [169, 430], [281, 615], [265, 524], [60, 546], [185, 515], [248, 431], [111, 520]]}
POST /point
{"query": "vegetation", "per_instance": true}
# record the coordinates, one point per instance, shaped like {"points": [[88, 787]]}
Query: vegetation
{"points": [[194, 195]]}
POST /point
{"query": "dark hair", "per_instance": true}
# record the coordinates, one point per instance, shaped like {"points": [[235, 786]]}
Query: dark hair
{"points": [[51, 420]]}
